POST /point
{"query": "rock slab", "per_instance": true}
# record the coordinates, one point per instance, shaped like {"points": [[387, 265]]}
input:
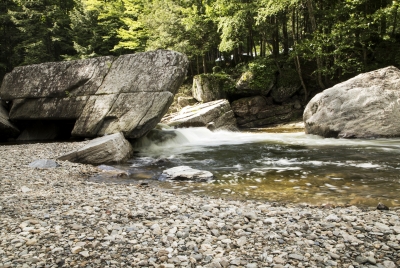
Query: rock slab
{"points": [[108, 149], [105, 95], [217, 114], [187, 173], [365, 106]]}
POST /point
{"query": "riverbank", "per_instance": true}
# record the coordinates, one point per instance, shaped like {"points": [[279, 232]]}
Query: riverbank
{"points": [[56, 218]]}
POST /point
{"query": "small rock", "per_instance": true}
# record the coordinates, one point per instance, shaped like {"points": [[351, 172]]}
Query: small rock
{"points": [[382, 207], [25, 189], [44, 164]]}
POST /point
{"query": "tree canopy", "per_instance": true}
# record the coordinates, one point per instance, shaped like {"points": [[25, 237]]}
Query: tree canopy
{"points": [[323, 40]]}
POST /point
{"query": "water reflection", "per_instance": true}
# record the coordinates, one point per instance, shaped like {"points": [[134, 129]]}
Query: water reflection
{"points": [[286, 167]]}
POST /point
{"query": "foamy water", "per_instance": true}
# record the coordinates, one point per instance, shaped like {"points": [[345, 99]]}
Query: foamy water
{"points": [[290, 167]]}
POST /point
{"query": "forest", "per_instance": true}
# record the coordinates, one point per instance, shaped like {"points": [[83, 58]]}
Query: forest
{"points": [[321, 42]]}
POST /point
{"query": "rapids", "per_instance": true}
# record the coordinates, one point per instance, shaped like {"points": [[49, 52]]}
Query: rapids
{"points": [[283, 167]]}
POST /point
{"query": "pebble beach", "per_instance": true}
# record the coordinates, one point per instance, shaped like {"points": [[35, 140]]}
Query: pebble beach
{"points": [[58, 218]]}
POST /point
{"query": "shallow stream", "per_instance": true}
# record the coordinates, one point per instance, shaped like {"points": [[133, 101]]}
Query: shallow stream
{"points": [[283, 167]]}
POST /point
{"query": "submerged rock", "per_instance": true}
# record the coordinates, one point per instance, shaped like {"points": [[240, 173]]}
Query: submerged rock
{"points": [[365, 106], [187, 173], [108, 149], [217, 112]]}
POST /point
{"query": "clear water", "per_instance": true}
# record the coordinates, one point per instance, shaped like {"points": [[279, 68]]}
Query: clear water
{"points": [[283, 167]]}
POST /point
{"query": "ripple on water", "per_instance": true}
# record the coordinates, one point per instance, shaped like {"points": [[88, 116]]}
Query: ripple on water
{"points": [[289, 167]]}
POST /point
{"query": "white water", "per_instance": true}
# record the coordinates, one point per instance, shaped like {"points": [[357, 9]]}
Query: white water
{"points": [[292, 167], [198, 139]]}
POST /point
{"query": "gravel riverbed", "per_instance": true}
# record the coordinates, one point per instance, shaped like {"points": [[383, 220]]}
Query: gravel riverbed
{"points": [[56, 218]]}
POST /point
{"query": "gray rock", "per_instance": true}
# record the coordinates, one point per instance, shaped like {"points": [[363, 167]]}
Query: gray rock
{"points": [[362, 107], [389, 264], [259, 111], [187, 173], [105, 95], [217, 112], [296, 257], [207, 88], [7, 129], [108, 149], [44, 164]]}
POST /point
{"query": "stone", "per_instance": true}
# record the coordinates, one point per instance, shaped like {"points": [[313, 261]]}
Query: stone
{"points": [[187, 173], [389, 264], [7, 129], [76, 250], [296, 257], [365, 106], [218, 112], [241, 241], [44, 164], [207, 88], [25, 189], [103, 95], [108, 149], [259, 111], [382, 207]]}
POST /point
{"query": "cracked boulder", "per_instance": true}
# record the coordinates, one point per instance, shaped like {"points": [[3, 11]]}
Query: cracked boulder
{"points": [[105, 95]]}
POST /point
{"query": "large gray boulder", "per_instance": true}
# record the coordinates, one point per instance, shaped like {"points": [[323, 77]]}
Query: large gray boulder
{"points": [[215, 115], [365, 106], [108, 149], [7, 129], [259, 111], [105, 95]]}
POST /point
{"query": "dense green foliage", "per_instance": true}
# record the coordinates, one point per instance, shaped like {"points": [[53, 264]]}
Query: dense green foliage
{"points": [[320, 41]]}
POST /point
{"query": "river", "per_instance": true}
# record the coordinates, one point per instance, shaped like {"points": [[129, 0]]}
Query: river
{"points": [[281, 167]]}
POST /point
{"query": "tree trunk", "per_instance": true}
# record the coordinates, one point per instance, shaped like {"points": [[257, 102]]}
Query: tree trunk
{"points": [[314, 28], [204, 64], [275, 38], [296, 59], [285, 33]]}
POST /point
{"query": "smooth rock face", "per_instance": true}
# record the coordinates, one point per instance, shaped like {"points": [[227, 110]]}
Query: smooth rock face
{"points": [[105, 95], [187, 173], [259, 111], [108, 149], [7, 129], [365, 106], [219, 113], [206, 90]]}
